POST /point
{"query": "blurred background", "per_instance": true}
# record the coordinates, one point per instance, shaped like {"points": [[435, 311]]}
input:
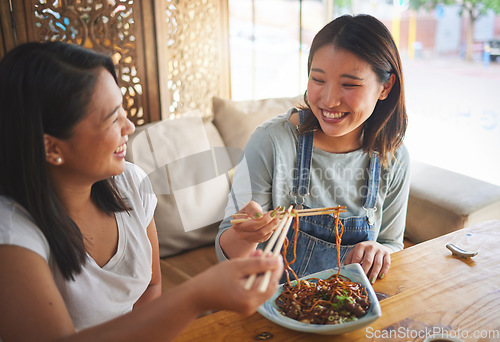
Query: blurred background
{"points": [[452, 75], [173, 56]]}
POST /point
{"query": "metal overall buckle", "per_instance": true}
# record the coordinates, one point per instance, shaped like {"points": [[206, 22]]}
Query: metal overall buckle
{"points": [[370, 215], [295, 203]]}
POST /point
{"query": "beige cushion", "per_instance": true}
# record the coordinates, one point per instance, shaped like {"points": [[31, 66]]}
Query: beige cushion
{"points": [[236, 120], [187, 164], [442, 201]]}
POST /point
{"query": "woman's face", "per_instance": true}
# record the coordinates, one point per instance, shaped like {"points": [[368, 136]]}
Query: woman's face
{"points": [[96, 149], [342, 92]]}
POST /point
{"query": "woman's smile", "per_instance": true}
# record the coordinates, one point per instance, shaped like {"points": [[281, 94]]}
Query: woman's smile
{"points": [[121, 150], [333, 115]]}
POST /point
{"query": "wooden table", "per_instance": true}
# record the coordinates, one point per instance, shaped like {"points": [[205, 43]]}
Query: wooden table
{"points": [[427, 290]]}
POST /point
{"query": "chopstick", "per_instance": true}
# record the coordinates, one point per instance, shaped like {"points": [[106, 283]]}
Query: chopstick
{"points": [[267, 276], [320, 212], [240, 218], [279, 235]]}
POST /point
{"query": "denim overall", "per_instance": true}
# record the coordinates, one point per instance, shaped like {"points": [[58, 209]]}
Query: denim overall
{"points": [[316, 247]]}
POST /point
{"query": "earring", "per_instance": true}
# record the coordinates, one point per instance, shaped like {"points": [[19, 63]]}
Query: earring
{"points": [[59, 160]]}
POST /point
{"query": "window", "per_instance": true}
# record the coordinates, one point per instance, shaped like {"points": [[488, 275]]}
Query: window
{"points": [[453, 104]]}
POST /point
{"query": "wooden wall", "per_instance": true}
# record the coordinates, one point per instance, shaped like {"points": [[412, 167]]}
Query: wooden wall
{"points": [[171, 56]]}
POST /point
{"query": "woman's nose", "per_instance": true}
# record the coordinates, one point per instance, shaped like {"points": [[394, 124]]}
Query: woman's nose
{"points": [[331, 97], [128, 126]]}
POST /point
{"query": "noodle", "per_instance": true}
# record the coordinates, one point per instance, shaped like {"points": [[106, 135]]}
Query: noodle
{"points": [[316, 301]]}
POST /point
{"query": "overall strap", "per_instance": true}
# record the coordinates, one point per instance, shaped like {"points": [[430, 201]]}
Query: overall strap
{"points": [[372, 188], [303, 166]]}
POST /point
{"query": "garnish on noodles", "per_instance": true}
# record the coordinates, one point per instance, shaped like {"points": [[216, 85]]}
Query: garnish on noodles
{"points": [[321, 301]]}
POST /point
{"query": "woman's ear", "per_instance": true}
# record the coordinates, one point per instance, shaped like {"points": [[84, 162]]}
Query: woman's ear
{"points": [[52, 151], [387, 87]]}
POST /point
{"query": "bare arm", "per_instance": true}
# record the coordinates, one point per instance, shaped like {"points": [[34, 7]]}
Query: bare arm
{"points": [[32, 308], [154, 288]]}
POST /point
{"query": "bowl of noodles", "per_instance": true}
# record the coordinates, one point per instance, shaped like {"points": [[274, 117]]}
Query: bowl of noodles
{"points": [[328, 302]]}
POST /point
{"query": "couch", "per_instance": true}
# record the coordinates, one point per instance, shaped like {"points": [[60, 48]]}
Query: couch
{"points": [[190, 161]]}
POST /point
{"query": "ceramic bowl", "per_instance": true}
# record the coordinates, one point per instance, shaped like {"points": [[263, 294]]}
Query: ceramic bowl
{"points": [[355, 273]]}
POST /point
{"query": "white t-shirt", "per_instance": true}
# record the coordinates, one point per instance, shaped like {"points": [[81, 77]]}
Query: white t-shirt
{"points": [[97, 294]]}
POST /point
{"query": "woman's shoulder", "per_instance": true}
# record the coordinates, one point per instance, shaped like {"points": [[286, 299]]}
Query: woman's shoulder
{"points": [[134, 185], [133, 174], [133, 182], [17, 227], [12, 212], [401, 157], [399, 164], [276, 128]]}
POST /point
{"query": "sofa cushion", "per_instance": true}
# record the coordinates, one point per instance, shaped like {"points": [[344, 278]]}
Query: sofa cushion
{"points": [[187, 164], [442, 201], [236, 120]]}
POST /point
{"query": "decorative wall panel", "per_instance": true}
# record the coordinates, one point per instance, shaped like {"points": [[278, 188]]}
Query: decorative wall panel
{"points": [[171, 56], [105, 26], [192, 54]]}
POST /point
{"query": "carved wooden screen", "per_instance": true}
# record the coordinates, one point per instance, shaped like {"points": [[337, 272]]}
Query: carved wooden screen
{"points": [[171, 55], [193, 54]]}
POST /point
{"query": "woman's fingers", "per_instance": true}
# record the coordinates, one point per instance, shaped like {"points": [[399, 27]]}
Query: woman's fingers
{"points": [[373, 257], [259, 227]]}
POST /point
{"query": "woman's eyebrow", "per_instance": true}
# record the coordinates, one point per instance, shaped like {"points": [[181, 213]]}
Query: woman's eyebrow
{"points": [[317, 70], [352, 77], [343, 75], [112, 112]]}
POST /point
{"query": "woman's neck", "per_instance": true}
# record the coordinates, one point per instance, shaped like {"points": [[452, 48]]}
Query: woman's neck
{"points": [[347, 143]]}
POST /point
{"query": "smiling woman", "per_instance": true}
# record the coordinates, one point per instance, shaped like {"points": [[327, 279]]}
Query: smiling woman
{"points": [[342, 93], [78, 242], [354, 119], [96, 149]]}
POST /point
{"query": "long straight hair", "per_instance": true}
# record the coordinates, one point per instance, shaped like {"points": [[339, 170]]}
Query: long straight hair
{"points": [[45, 88], [370, 40]]}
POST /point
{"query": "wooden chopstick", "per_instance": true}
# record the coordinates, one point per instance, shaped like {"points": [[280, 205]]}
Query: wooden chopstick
{"points": [[278, 237], [298, 212], [326, 212], [271, 242], [267, 276], [333, 209]]}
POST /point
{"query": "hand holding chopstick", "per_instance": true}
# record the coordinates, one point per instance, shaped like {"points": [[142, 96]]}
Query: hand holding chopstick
{"points": [[280, 235]]}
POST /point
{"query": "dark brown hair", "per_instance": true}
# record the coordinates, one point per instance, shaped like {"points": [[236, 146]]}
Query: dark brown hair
{"points": [[370, 40]]}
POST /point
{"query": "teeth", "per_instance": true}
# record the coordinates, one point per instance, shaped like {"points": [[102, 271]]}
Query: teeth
{"points": [[121, 148], [333, 115]]}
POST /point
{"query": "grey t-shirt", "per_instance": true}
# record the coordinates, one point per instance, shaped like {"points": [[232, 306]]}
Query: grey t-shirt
{"points": [[266, 176]]}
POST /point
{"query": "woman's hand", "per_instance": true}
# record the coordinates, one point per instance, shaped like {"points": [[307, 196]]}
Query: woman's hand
{"points": [[260, 228], [242, 238], [222, 286], [373, 257]]}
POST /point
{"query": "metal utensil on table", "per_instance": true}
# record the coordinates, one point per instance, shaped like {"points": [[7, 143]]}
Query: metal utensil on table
{"points": [[464, 245], [460, 252]]}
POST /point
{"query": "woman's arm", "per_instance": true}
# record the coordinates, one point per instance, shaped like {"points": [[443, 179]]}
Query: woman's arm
{"points": [[33, 310], [154, 288], [251, 192], [374, 256], [395, 204]]}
